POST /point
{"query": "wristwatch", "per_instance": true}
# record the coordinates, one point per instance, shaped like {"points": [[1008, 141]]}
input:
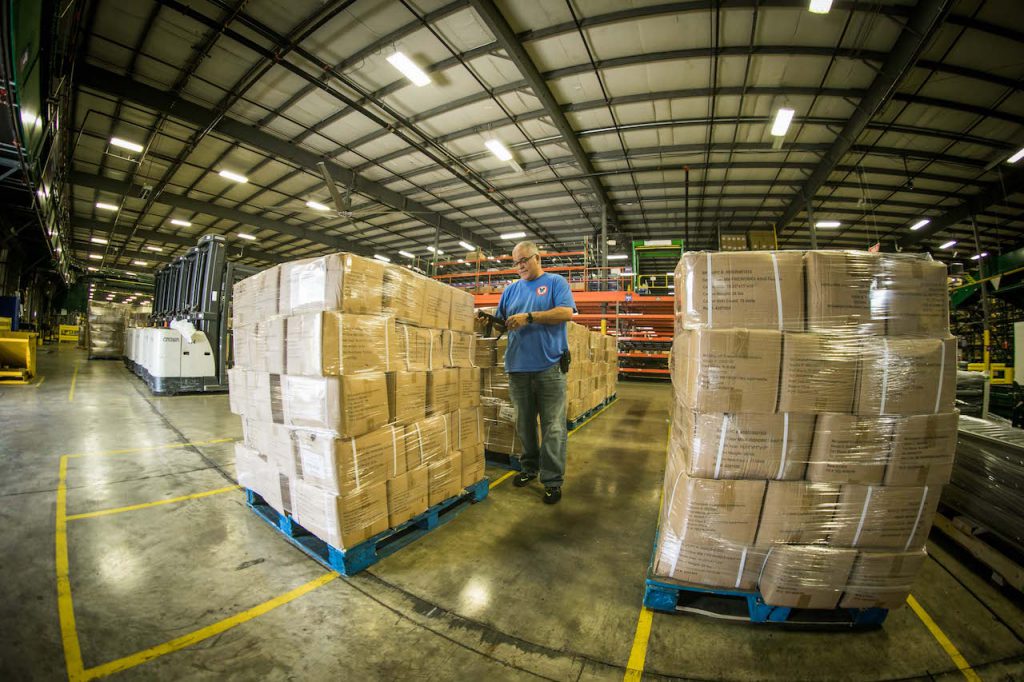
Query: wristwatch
{"points": [[529, 318]]}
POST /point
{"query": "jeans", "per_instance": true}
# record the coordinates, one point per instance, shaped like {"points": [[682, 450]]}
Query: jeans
{"points": [[541, 394]]}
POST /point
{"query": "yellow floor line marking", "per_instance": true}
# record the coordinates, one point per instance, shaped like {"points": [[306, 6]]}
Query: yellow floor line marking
{"points": [[638, 654], [149, 448], [593, 416], [205, 633], [500, 479], [41, 380], [74, 380], [961, 663], [147, 505], [65, 609]]}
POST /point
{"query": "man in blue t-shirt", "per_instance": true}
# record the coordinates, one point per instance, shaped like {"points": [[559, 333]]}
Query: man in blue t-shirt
{"points": [[535, 310]]}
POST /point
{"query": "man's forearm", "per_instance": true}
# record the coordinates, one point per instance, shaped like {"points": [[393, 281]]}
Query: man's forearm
{"points": [[553, 316]]}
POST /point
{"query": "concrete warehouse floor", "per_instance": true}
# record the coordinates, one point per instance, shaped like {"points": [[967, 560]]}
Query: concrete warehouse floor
{"points": [[510, 590]]}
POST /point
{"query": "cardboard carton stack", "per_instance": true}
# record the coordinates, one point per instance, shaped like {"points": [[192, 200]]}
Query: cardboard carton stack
{"points": [[105, 329], [358, 394], [591, 380], [814, 424]]}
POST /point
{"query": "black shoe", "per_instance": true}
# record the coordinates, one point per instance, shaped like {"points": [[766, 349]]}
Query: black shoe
{"points": [[523, 478], [552, 495]]}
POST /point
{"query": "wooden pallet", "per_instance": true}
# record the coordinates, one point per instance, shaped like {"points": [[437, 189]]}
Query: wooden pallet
{"points": [[360, 557], [970, 535]]}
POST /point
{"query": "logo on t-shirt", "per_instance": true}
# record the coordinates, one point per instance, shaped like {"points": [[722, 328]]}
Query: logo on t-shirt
{"points": [[541, 290]]}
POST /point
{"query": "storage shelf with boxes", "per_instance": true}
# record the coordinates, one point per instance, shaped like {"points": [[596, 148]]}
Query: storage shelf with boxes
{"points": [[814, 426], [359, 400]]}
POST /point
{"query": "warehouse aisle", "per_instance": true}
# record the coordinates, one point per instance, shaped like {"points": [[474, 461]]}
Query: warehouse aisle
{"points": [[510, 590]]}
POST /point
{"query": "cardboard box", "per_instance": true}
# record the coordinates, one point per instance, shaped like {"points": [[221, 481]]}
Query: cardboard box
{"points": [[805, 577], [798, 512], [474, 465], [241, 347], [882, 579], [258, 473], [268, 438], [876, 294], [340, 281], [462, 314], [342, 465], [442, 391], [458, 348], [885, 517], [908, 376], [267, 345], [255, 298], [747, 290], [850, 449], [414, 347], [470, 428], [444, 478], [742, 445], [762, 240], [349, 405], [256, 395], [437, 304], [734, 370], [819, 373], [722, 564], [429, 440], [469, 386], [699, 510], [485, 354], [332, 343], [407, 496], [494, 384], [342, 521], [732, 242], [404, 294], [923, 448], [501, 436], [407, 397]]}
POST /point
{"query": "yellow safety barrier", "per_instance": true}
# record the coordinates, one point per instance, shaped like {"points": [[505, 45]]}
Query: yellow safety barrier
{"points": [[5, 324], [17, 356], [67, 333], [999, 374]]}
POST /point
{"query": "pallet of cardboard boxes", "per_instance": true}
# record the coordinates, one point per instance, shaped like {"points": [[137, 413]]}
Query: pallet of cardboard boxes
{"points": [[814, 426], [591, 382], [358, 393]]}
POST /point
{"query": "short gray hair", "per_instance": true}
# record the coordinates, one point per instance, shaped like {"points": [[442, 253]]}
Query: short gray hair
{"points": [[527, 246]]}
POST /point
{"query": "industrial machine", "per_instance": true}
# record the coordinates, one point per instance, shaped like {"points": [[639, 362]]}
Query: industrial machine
{"points": [[187, 348]]}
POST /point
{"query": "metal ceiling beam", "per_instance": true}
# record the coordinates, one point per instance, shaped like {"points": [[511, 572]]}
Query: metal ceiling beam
{"points": [[508, 41], [97, 78], [918, 31], [176, 200], [1010, 183]]}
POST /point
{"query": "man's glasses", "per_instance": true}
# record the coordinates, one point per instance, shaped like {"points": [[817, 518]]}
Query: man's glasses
{"points": [[522, 261]]}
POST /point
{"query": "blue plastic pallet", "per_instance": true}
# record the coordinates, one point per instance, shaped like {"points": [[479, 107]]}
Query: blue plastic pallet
{"points": [[348, 562], [578, 421]]}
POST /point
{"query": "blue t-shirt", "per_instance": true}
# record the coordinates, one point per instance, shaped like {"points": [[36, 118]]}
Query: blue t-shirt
{"points": [[535, 347]]}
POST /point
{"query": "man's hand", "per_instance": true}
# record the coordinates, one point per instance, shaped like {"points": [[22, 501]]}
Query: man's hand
{"points": [[513, 322]]}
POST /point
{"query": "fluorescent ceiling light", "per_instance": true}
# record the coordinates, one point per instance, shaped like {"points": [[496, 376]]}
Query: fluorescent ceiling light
{"points": [[948, 245], [431, 249], [467, 246], [462, 260], [317, 206], [618, 256], [154, 248], [611, 242], [137, 293], [29, 119], [409, 69], [125, 144], [513, 235], [1016, 157], [979, 256], [243, 235], [98, 240], [827, 223], [131, 274], [499, 150], [181, 223], [106, 207], [233, 176], [820, 6], [919, 224], [406, 254], [382, 258], [92, 269], [139, 262], [783, 117], [95, 256]]}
